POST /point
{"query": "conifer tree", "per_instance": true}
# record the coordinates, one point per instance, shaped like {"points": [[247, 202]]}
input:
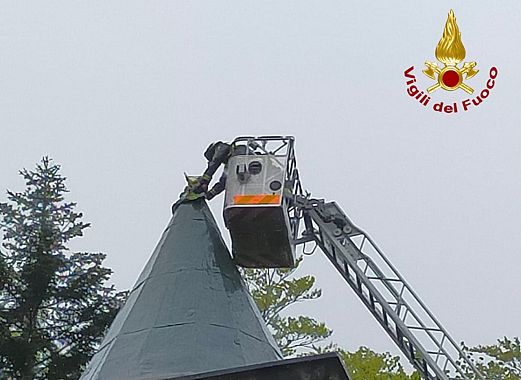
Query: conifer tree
{"points": [[55, 305]]}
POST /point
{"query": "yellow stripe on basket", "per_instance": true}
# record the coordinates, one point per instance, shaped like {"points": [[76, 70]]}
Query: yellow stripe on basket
{"points": [[256, 199]]}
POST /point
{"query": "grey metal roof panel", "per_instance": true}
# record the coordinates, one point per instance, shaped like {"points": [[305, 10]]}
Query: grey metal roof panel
{"points": [[318, 367], [189, 311]]}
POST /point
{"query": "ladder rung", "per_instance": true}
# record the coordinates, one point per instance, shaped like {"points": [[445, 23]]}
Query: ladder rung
{"points": [[384, 279], [424, 328], [438, 353]]}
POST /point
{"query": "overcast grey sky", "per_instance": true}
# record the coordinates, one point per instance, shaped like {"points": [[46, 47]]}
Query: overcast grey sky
{"points": [[126, 95]]}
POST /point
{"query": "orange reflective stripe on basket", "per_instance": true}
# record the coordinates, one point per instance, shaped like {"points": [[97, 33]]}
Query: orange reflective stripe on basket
{"points": [[256, 199]]}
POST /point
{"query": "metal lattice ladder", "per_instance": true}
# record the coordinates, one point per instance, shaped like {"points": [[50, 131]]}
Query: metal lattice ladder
{"points": [[382, 289]]}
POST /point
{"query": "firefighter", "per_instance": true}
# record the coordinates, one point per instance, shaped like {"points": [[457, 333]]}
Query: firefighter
{"points": [[197, 186], [217, 154]]}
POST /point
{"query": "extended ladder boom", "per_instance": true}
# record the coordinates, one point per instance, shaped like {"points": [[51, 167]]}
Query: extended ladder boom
{"points": [[382, 289]]}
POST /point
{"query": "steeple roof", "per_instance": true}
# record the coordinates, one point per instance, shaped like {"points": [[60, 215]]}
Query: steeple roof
{"points": [[189, 312]]}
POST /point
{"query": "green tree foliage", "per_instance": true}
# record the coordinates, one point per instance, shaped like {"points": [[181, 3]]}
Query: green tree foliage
{"points": [[500, 361], [54, 304], [365, 364], [274, 291]]}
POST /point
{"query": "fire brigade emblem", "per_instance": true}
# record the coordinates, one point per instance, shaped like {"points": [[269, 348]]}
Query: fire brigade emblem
{"points": [[450, 52]]}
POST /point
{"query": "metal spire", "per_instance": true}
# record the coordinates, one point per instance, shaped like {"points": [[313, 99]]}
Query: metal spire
{"points": [[189, 312]]}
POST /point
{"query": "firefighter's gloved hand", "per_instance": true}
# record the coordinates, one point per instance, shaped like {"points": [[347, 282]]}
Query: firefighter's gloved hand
{"points": [[202, 184]]}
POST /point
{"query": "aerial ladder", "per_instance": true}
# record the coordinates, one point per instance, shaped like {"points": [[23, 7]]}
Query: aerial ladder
{"points": [[268, 215]]}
